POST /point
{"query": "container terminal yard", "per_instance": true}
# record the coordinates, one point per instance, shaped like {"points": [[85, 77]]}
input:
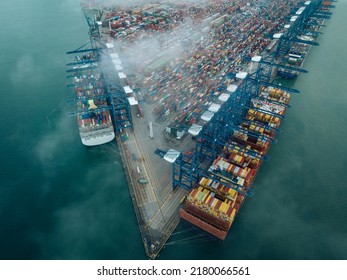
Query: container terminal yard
{"points": [[187, 90]]}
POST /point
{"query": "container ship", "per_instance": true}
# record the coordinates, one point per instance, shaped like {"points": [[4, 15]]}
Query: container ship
{"points": [[295, 56], [201, 97], [213, 206], [92, 105]]}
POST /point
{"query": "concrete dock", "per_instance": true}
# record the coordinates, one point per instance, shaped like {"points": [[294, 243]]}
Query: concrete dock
{"points": [[155, 203]]}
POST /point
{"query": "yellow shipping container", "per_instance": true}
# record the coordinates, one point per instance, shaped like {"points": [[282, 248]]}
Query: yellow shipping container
{"points": [[232, 193], [272, 90], [213, 212], [210, 199], [214, 203], [226, 205]]}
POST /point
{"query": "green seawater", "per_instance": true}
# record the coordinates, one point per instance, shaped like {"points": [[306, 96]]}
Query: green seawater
{"points": [[61, 200]]}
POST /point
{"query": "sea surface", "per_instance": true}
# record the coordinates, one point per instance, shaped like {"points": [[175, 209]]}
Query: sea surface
{"points": [[61, 200]]}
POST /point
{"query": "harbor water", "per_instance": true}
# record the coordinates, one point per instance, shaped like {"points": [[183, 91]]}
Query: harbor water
{"points": [[61, 200]]}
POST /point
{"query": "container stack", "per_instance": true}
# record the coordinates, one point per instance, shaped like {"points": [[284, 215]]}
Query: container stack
{"points": [[213, 211], [216, 45], [92, 106]]}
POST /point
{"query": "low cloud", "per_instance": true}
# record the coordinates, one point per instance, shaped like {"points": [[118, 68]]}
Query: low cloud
{"points": [[26, 71]]}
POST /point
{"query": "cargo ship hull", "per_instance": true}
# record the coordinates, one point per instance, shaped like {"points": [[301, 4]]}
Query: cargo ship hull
{"points": [[94, 139], [96, 131], [220, 234]]}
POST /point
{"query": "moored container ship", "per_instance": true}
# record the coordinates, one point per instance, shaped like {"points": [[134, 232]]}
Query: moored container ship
{"points": [[295, 56], [213, 206], [92, 108]]}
